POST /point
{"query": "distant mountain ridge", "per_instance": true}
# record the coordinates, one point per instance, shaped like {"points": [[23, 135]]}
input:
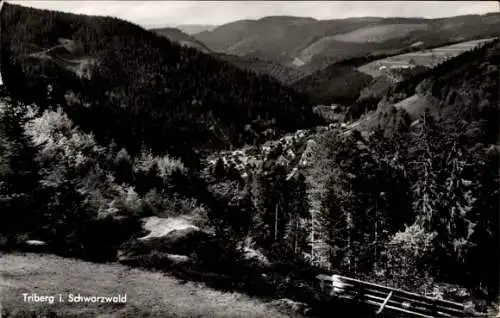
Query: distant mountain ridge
{"points": [[306, 42], [195, 28], [184, 39]]}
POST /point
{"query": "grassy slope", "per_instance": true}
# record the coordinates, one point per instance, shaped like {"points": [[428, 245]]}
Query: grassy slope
{"points": [[148, 293], [415, 105], [428, 58]]}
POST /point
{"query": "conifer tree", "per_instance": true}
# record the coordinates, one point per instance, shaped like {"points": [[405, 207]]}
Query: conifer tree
{"points": [[19, 173], [483, 258]]}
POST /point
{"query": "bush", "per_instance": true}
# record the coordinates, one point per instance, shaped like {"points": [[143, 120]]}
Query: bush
{"points": [[407, 257], [167, 166]]}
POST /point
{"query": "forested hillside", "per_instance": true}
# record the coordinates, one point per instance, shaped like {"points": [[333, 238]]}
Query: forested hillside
{"points": [[122, 82], [337, 83], [284, 74], [449, 158], [176, 35]]}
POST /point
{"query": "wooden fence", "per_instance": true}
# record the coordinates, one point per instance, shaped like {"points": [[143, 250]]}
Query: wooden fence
{"points": [[383, 297]]}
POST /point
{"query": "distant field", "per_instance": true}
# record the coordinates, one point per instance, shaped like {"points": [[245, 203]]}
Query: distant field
{"points": [[428, 58], [148, 293], [379, 33]]}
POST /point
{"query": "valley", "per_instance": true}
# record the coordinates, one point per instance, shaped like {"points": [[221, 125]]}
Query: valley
{"points": [[216, 174]]}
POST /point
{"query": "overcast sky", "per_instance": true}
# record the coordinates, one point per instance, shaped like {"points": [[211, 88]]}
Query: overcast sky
{"points": [[160, 13]]}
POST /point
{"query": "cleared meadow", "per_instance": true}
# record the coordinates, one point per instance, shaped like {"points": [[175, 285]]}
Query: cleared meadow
{"points": [[427, 58]]}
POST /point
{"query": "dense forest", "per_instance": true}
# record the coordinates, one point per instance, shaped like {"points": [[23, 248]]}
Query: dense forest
{"points": [[140, 87], [284, 74], [176, 35], [439, 168], [88, 156], [335, 84]]}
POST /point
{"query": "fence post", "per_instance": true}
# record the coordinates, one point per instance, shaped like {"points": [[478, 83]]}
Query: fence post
{"points": [[332, 292], [434, 306], [384, 303]]}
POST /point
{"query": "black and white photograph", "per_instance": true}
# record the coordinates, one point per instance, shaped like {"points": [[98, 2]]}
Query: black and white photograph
{"points": [[249, 159]]}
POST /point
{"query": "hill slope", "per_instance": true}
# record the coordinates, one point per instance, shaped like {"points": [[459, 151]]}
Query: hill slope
{"points": [[360, 82], [176, 35], [284, 74], [427, 58], [464, 88], [305, 42], [336, 83], [140, 87]]}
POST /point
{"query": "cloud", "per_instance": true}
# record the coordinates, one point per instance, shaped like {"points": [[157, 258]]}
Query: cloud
{"points": [[149, 13]]}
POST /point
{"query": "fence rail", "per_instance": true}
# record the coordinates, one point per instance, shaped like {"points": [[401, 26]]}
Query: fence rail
{"points": [[384, 297]]}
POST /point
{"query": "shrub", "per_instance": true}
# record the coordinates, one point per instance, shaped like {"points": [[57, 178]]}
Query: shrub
{"points": [[406, 258], [167, 165]]}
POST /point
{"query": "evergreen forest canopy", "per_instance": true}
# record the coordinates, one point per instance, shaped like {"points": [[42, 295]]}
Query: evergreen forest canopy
{"points": [[120, 80]]}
